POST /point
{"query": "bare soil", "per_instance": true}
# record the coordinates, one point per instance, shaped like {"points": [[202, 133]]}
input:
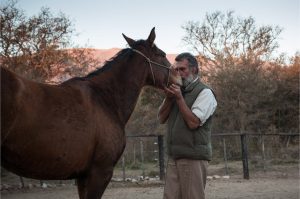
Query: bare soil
{"points": [[281, 181]]}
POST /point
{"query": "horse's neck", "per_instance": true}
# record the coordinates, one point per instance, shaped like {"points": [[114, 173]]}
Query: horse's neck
{"points": [[120, 87]]}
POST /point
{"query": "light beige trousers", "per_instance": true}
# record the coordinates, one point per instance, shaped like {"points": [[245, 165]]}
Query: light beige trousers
{"points": [[185, 179]]}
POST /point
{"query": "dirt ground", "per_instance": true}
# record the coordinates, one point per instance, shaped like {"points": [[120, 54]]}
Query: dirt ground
{"points": [[276, 183]]}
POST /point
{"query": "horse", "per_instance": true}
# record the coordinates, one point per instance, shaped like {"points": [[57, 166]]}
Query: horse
{"points": [[75, 130]]}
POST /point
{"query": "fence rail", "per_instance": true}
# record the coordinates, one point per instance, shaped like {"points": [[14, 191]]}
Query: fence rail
{"points": [[244, 148], [161, 151]]}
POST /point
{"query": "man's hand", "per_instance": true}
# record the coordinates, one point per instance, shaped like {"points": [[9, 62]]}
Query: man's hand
{"points": [[168, 93], [173, 91], [189, 117]]}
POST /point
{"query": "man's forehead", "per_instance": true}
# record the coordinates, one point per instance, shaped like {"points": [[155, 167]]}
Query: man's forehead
{"points": [[182, 63]]}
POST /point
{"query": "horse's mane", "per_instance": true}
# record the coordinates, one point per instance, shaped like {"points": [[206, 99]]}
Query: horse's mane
{"points": [[109, 63]]}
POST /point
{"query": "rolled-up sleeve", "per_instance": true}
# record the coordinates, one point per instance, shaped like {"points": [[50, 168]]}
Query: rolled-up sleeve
{"points": [[204, 105]]}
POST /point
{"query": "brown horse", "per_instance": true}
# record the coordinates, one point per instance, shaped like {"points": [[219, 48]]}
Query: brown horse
{"points": [[76, 129]]}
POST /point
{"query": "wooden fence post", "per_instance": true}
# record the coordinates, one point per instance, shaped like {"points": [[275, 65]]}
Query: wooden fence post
{"points": [[160, 140], [142, 158], [225, 155], [263, 151], [123, 167], [245, 155], [134, 154], [22, 182]]}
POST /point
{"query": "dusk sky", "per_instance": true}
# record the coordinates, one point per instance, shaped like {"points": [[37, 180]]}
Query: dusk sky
{"points": [[101, 23]]}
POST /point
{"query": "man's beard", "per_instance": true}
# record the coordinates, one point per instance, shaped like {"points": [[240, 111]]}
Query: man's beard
{"points": [[187, 81]]}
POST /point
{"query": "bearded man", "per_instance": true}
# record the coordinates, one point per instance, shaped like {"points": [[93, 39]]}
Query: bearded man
{"points": [[188, 111]]}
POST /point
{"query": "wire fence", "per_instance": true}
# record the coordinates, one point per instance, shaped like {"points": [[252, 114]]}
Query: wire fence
{"points": [[145, 155], [254, 149], [259, 148]]}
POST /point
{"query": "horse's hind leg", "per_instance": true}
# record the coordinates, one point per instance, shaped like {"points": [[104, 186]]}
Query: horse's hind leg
{"points": [[93, 185]]}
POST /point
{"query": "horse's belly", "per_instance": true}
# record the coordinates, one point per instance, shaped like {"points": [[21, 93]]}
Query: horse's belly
{"points": [[45, 160]]}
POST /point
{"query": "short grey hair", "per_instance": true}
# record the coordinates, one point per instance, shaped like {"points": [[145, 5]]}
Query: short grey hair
{"points": [[190, 58]]}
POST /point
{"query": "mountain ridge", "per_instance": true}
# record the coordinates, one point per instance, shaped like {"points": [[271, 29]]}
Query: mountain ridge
{"points": [[103, 55]]}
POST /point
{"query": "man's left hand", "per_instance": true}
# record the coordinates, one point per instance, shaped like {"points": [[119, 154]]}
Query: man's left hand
{"points": [[174, 90]]}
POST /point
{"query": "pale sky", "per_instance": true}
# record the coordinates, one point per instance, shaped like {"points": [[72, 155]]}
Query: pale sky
{"points": [[100, 24]]}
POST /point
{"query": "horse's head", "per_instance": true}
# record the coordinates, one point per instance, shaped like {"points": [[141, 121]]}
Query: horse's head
{"points": [[159, 72]]}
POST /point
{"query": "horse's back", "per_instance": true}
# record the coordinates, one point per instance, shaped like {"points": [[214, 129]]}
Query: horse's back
{"points": [[43, 125], [54, 127]]}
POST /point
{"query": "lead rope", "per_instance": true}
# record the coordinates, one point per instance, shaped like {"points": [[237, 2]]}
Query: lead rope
{"points": [[168, 78]]}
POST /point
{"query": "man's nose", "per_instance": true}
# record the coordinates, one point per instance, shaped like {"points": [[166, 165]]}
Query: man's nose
{"points": [[181, 73]]}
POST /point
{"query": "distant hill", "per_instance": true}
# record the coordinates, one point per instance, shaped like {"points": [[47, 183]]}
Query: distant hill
{"points": [[100, 56], [105, 54]]}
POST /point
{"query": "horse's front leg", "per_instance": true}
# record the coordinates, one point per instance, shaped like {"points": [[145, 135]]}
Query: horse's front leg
{"points": [[93, 185]]}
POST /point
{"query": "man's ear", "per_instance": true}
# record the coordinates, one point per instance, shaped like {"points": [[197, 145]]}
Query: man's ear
{"points": [[129, 40], [194, 69], [151, 37]]}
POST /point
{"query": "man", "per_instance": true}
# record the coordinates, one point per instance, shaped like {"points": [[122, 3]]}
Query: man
{"points": [[188, 111]]}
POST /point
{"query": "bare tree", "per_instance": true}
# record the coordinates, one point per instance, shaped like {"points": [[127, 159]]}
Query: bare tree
{"points": [[233, 52], [286, 98], [225, 39]]}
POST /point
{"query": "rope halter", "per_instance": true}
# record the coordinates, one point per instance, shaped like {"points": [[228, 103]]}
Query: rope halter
{"points": [[155, 63]]}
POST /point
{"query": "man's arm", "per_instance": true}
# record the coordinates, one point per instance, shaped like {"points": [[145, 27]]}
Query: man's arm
{"points": [[205, 105], [189, 117], [164, 109]]}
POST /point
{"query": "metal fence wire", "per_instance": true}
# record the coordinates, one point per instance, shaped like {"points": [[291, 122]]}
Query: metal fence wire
{"points": [[261, 150], [145, 155]]}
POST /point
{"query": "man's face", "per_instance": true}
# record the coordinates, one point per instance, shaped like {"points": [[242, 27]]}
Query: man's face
{"points": [[185, 72]]}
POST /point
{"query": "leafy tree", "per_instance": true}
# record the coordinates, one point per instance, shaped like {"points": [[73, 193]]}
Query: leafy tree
{"points": [[286, 97], [35, 46]]}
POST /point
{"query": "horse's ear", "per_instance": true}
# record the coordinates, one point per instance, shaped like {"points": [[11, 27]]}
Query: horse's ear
{"points": [[129, 40], [151, 37]]}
